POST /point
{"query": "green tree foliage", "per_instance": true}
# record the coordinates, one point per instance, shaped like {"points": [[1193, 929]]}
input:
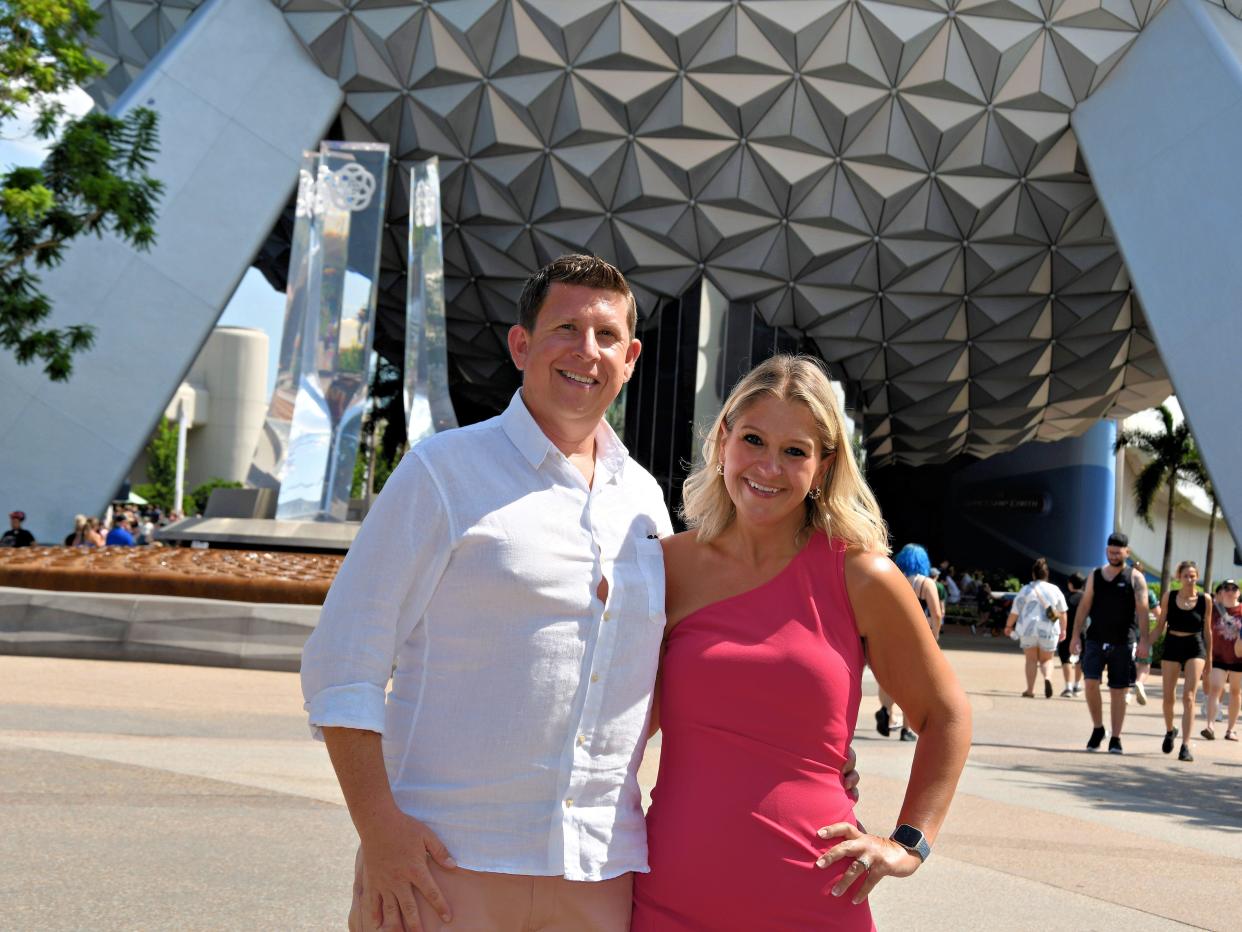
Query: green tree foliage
{"points": [[161, 466], [1171, 455], [196, 501], [94, 179], [383, 439], [1198, 474]]}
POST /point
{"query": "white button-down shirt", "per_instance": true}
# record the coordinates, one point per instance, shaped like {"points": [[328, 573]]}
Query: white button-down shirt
{"points": [[519, 701]]}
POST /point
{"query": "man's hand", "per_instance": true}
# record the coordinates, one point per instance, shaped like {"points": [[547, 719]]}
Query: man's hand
{"points": [[1144, 647], [390, 866], [1076, 646], [849, 775]]}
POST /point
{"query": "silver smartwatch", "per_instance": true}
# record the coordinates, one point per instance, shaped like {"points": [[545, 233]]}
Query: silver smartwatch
{"points": [[912, 840]]}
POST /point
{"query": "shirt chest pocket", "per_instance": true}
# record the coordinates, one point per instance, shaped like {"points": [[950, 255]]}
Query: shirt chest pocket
{"points": [[650, 557]]}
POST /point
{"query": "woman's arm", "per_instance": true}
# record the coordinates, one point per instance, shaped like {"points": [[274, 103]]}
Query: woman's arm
{"points": [[934, 608], [1207, 638], [1161, 612], [907, 663], [1015, 611], [653, 723]]}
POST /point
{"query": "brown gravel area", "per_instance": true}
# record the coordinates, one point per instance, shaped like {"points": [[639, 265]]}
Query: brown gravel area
{"points": [[239, 575]]}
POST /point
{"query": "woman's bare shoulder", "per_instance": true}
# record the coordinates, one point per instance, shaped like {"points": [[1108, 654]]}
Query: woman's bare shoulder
{"points": [[865, 568], [677, 544]]}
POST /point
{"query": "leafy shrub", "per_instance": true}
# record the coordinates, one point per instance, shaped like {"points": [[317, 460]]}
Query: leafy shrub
{"points": [[197, 500]]}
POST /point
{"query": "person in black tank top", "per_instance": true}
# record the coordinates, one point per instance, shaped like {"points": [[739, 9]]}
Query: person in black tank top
{"points": [[1185, 618], [1115, 599], [1112, 610]]}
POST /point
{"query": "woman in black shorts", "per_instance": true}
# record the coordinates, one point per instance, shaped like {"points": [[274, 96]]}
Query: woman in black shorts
{"points": [[1226, 662], [1186, 613]]}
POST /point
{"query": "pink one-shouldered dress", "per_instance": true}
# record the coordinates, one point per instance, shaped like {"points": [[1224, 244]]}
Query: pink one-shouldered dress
{"points": [[758, 701]]}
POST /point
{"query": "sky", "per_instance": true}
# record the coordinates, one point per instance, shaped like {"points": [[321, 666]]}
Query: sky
{"points": [[254, 304]]}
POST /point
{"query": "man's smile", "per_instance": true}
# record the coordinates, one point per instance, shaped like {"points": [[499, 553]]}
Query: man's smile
{"points": [[577, 377]]}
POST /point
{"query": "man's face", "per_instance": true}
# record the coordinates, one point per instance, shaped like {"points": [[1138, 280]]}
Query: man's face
{"points": [[1116, 555], [579, 355], [15, 523]]}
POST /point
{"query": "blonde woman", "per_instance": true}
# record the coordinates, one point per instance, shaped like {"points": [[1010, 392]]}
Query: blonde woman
{"points": [[77, 537], [778, 595], [94, 536], [1038, 615]]}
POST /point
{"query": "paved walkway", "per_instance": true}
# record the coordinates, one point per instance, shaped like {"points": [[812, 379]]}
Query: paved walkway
{"points": [[141, 796]]}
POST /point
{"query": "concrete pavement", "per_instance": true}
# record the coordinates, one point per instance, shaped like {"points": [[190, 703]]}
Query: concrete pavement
{"points": [[139, 796]]}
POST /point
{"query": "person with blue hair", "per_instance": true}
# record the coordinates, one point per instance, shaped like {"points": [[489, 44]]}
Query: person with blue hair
{"points": [[913, 561]]}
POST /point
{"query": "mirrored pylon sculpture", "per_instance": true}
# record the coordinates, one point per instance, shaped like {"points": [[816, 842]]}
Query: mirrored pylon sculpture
{"points": [[268, 463], [428, 408], [330, 358]]}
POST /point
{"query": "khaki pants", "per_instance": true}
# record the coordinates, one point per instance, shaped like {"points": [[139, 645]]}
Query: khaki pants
{"points": [[487, 902]]}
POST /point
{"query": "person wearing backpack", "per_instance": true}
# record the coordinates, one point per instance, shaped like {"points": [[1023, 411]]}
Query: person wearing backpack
{"points": [[1038, 615]]}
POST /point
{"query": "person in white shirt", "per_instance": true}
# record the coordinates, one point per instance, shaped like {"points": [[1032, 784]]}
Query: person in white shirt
{"points": [[1038, 616], [509, 580]]}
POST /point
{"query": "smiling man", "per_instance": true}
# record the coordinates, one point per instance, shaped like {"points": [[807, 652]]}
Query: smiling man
{"points": [[510, 581]]}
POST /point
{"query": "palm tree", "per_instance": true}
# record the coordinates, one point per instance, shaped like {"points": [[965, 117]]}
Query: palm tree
{"points": [[1171, 454], [1199, 476]]}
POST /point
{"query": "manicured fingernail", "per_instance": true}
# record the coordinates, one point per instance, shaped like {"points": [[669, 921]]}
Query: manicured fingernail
{"points": [[822, 862], [837, 892], [822, 833], [450, 862], [447, 917]]}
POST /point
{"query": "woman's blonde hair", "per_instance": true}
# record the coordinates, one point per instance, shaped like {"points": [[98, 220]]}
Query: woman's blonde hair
{"points": [[846, 508]]}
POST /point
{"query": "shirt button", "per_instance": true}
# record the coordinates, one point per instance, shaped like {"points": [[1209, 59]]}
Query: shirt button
{"points": [[569, 803], [594, 677]]}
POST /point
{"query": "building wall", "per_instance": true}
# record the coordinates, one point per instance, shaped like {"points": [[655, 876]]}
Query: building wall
{"points": [[233, 367], [1053, 500], [225, 398], [1190, 527], [1161, 137], [238, 101]]}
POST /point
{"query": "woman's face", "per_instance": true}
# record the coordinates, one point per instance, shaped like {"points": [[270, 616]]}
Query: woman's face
{"points": [[1189, 576], [771, 460]]}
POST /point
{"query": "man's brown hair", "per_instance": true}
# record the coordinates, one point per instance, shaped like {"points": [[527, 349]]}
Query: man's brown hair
{"points": [[589, 271]]}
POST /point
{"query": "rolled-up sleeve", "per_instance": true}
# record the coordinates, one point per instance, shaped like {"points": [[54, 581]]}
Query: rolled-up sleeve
{"points": [[376, 601]]}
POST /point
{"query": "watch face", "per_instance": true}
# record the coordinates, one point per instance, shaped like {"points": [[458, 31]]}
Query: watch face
{"points": [[911, 838], [907, 836]]}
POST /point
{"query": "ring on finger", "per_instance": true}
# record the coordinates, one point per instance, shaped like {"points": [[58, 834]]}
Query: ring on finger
{"points": [[863, 863]]}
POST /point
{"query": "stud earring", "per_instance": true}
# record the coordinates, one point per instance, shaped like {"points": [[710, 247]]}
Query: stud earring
{"points": [[814, 494], [720, 469]]}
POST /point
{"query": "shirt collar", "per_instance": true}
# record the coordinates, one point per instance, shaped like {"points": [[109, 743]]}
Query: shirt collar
{"points": [[534, 445]]}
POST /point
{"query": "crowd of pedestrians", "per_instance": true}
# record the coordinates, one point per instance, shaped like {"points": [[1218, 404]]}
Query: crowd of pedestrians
{"points": [[1102, 628], [1102, 632], [121, 526]]}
